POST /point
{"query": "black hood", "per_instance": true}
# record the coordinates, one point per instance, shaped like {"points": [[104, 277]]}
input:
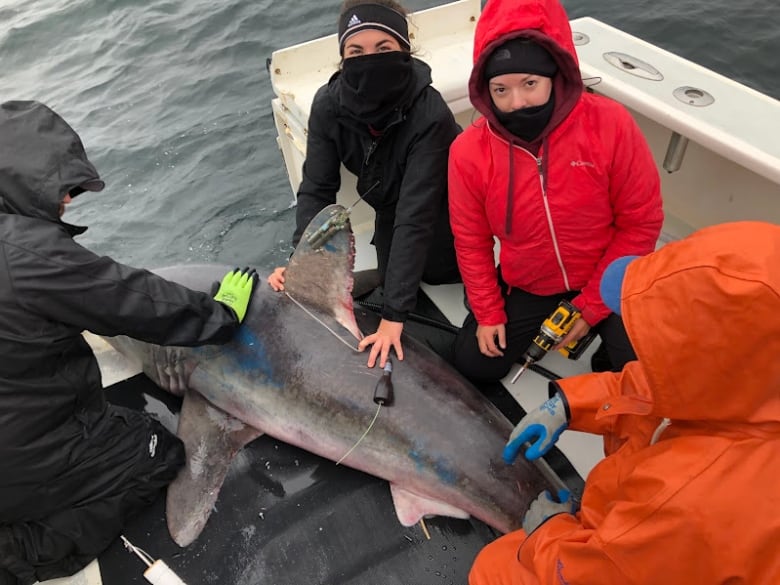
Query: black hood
{"points": [[41, 159]]}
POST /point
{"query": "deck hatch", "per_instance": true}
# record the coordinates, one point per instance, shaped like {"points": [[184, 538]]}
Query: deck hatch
{"points": [[633, 66]]}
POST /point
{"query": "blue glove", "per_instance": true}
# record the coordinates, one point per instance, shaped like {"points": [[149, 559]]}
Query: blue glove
{"points": [[544, 507], [543, 426]]}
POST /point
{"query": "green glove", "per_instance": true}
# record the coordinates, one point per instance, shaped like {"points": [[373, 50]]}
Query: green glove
{"points": [[236, 290]]}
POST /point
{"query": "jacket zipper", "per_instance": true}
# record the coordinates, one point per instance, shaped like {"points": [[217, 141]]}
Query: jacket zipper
{"points": [[540, 170]]}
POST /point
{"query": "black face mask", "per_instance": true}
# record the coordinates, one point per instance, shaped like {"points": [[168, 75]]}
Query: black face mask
{"points": [[527, 123], [374, 86]]}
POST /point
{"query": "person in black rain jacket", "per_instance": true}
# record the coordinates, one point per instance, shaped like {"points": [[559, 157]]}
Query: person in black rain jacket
{"points": [[381, 118], [73, 468]]}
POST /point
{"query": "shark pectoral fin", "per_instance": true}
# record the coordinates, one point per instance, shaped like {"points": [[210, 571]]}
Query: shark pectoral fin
{"points": [[211, 439], [411, 508]]}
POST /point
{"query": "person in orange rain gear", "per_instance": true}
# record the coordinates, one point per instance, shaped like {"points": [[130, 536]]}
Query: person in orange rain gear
{"points": [[688, 491]]}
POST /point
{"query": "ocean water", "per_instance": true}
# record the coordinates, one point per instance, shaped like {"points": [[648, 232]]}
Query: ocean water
{"points": [[172, 100]]}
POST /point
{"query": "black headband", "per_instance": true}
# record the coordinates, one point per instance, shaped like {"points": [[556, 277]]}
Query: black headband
{"points": [[520, 55], [373, 16]]}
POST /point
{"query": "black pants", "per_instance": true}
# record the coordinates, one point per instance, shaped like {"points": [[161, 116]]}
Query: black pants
{"points": [[525, 314], [131, 457], [441, 265]]}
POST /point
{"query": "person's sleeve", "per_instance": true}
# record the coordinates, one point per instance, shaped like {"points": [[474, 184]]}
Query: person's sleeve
{"points": [[421, 201], [636, 519], [642, 519], [561, 550], [596, 401], [81, 289], [321, 174], [473, 236], [637, 207]]}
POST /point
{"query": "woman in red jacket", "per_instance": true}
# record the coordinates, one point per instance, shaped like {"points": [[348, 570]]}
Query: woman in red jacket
{"points": [[562, 178]]}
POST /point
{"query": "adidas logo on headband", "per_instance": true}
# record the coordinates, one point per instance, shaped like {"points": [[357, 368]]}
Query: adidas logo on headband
{"points": [[373, 16]]}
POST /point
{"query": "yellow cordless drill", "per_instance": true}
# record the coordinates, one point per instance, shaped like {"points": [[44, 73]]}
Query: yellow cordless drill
{"points": [[553, 329]]}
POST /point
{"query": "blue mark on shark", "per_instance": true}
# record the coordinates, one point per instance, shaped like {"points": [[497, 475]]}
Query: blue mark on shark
{"points": [[330, 247], [442, 468], [249, 357]]}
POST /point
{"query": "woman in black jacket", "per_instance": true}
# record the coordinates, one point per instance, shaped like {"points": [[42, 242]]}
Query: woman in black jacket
{"points": [[74, 469], [381, 118]]}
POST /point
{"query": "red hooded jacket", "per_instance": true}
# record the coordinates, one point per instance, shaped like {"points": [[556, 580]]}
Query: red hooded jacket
{"points": [[695, 499], [590, 194]]}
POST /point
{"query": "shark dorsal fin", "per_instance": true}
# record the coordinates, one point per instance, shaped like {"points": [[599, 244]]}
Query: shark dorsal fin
{"points": [[319, 274]]}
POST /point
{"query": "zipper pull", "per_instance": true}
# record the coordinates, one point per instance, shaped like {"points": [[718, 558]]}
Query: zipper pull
{"points": [[540, 170], [371, 150]]}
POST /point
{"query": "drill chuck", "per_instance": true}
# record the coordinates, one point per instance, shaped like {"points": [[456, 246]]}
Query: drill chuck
{"points": [[552, 331], [534, 353]]}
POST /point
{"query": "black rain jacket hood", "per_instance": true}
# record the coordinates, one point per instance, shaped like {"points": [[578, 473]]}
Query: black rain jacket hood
{"points": [[41, 160]]}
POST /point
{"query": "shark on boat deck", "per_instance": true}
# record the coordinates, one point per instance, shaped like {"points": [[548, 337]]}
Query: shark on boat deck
{"points": [[293, 372]]}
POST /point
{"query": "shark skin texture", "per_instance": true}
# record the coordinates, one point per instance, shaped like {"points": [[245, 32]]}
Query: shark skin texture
{"points": [[293, 372]]}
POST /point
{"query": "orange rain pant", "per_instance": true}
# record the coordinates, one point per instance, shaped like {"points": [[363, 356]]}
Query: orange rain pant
{"points": [[497, 563]]}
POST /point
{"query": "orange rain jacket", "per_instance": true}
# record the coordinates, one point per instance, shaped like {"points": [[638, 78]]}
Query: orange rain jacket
{"points": [[702, 504]]}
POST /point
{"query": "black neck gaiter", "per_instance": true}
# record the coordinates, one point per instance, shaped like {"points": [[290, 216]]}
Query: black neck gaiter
{"points": [[374, 86], [527, 123]]}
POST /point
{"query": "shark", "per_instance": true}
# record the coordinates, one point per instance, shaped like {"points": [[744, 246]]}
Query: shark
{"points": [[293, 372]]}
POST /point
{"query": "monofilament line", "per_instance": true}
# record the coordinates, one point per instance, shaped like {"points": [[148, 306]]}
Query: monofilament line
{"points": [[337, 336], [320, 321], [139, 552], [378, 408]]}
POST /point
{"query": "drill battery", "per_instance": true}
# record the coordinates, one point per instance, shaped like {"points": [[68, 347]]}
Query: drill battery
{"points": [[575, 349], [555, 328]]}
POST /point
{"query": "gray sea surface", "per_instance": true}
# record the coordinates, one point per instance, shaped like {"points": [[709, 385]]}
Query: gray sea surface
{"points": [[172, 100]]}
